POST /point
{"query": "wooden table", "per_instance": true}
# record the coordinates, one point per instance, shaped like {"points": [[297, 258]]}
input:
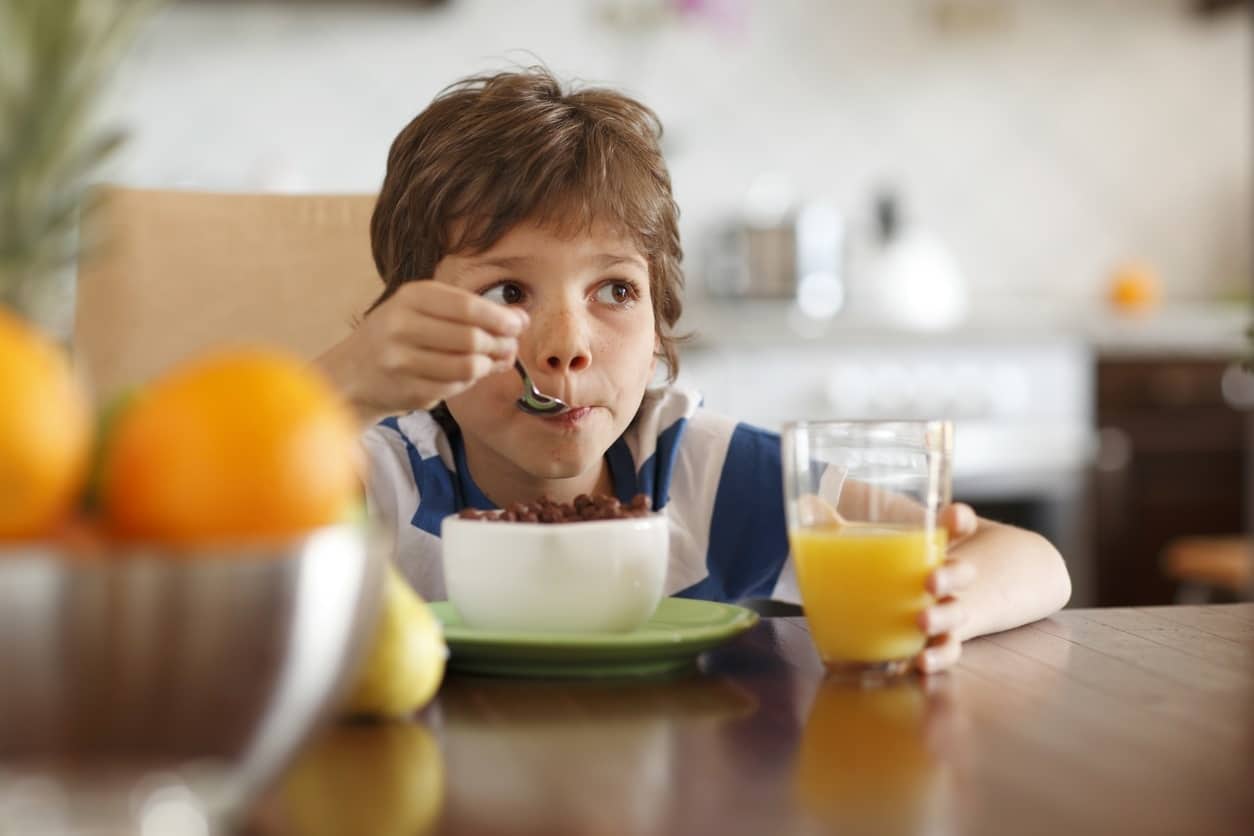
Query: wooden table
{"points": [[1136, 721]]}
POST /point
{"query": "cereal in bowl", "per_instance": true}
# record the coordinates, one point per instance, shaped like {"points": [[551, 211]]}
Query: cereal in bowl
{"points": [[544, 510]]}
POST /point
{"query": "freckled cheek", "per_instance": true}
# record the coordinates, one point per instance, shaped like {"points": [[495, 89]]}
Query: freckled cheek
{"points": [[631, 338], [624, 351]]}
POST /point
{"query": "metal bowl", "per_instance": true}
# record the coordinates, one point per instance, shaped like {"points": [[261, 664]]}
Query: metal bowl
{"points": [[131, 671]]}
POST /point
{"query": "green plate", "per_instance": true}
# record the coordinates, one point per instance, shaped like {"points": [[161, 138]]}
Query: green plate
{"points": [[669, 641]]}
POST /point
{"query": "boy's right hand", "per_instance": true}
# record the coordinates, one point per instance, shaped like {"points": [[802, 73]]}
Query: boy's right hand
{"points": [[426, 343]]}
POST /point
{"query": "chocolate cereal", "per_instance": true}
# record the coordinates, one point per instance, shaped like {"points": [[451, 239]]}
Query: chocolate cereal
{"points": [[544, 510]]}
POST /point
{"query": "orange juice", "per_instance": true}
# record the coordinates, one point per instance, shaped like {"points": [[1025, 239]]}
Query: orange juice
{"points": [[863, 588]]}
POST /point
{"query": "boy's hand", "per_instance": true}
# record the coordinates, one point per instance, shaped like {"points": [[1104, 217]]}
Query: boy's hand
{"points": [[942, 621], [426, 343]]}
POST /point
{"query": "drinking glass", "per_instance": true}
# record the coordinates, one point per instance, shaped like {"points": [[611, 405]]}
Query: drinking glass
{"points": [[863, 500]]}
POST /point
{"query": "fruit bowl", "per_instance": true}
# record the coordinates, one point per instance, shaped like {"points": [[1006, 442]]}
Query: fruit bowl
{"points": [[203, 668]]}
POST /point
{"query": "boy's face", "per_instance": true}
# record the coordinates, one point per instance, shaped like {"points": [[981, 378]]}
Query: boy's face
{"points": [[591, 343]]}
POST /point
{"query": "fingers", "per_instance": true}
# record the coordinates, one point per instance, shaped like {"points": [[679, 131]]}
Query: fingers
{"points": [[945, 616], [951, 577], [959, 520], [942, 652], [438, 366], [453, 304], [458, 338], [424, 392], [407, 376]]}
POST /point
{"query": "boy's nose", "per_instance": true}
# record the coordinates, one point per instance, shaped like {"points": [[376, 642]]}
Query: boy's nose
{"points": [[563, 342]]}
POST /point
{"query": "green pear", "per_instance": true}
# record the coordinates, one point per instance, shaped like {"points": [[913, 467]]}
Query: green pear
{"points": [[407, 656]]}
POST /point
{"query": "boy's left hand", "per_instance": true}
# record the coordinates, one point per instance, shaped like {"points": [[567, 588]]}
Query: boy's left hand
{"points": [[942, 621]]}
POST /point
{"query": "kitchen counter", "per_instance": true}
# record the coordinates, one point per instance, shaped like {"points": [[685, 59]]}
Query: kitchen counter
{"points": [[1193, 329]]}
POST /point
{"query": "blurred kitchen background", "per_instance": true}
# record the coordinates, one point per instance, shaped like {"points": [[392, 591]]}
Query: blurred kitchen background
{"points": [[1032, 216]]}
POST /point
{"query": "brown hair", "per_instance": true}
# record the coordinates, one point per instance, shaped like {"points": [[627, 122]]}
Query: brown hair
{"points": [[493, 150]]}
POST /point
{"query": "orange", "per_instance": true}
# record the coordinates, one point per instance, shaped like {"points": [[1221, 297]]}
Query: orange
{"points": [[45, 433], [234, 446], [1134, 287]]}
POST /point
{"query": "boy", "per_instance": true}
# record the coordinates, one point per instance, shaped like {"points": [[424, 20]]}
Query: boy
{"points": [[521, 220]]}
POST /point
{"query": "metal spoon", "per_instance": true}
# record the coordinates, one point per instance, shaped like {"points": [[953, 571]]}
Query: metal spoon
{"points": [[533, 401]]}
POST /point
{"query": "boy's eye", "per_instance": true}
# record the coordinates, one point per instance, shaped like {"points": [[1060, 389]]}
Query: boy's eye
{"points": [[505, 293], [616, 293]]}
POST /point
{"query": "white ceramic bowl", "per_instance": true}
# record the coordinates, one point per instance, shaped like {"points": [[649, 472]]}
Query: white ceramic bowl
{"points": [[602, 576]]}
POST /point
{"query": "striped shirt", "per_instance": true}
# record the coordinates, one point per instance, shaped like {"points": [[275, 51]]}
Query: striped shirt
{"points": [[718, 482]]}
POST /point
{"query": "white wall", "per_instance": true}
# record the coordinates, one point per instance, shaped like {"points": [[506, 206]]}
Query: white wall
{"points": [[1077, 134]]}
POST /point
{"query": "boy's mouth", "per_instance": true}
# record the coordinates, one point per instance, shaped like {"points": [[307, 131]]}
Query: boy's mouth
{"points": [[570, 418]]}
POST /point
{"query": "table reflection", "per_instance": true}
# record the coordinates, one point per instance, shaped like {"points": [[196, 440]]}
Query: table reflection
{"points": [[368, 779], [873, 759], [542, 755]]}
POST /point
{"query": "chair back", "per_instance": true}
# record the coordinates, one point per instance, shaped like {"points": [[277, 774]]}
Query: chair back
{"points": [[181, 271]]}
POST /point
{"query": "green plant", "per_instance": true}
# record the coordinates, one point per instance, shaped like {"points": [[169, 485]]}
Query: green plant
{"points": [[55, 60]]}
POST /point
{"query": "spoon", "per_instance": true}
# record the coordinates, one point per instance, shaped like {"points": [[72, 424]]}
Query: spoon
{"points": [[533, 401]]}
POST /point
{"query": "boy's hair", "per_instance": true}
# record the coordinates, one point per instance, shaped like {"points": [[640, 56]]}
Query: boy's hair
{"points": [[494, 150]]}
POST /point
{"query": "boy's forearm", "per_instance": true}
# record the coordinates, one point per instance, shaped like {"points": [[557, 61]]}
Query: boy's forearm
{"points": [[1020, 578]]}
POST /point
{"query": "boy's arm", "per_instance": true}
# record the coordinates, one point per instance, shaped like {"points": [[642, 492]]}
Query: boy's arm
{"points": [[1019, 577]]}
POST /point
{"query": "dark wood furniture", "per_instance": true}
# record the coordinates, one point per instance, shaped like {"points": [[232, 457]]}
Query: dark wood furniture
{"points": [[1172, 464], [1093, 721]]}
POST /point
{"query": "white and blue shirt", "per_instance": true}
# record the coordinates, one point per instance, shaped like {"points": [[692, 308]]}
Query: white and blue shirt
{"points": [[718, 482]]}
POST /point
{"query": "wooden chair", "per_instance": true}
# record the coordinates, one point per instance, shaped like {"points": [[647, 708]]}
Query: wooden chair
{"points": [[1206, 566], [182, 271]]}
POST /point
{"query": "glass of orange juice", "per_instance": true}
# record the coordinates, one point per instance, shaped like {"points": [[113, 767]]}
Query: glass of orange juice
{"points": [[863, 500]]}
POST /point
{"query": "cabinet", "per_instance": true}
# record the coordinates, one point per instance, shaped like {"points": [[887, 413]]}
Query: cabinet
{"points": [[1172, 462]]}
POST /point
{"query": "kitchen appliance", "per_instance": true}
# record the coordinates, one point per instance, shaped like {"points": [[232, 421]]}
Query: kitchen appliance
{"points": [[904, 276], [780, 249]]}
